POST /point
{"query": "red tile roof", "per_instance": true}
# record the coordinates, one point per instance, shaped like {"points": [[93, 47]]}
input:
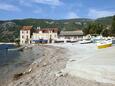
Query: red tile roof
{"points": [[46, 30], [26, 28]]}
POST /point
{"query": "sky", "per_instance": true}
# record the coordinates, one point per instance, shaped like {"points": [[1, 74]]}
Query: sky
{"points": [[56, 9]]}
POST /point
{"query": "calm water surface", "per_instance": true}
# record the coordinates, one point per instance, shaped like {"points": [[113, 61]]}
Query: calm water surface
{"points": [[12, 62]]}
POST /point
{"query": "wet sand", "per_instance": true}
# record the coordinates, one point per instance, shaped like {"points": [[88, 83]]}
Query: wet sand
{"points": [[48, 71]]}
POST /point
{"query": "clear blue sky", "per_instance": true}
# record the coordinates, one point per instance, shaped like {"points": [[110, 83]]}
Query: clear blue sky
{"points": [[56, 9]]}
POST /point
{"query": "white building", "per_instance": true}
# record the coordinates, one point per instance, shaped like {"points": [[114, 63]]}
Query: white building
{"points": [[25, 35], [45, 35]]}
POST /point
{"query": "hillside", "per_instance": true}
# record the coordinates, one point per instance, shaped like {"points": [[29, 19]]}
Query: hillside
{"points": [[105, 20], [9, 30], [70, 24]]}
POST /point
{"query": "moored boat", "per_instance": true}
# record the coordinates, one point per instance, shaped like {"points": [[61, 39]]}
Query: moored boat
{"points": [[104, 44], [85, 41], [17, 49], [113, 41]]}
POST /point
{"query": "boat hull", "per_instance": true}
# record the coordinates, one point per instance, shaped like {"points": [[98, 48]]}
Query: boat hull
{"points": [[85, 42], [104, 46], [17, 49]]}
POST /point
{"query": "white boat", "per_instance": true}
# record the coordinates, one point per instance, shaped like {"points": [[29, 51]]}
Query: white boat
{"points": [[58, 40], [85, 41], [104, 43], [7, 43], [72, 40], [17, 49]]}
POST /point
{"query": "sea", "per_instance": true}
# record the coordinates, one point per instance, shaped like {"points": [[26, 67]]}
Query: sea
{"points": [[13, 62]]}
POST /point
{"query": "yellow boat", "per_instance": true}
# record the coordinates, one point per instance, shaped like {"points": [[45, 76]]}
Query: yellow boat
{"points": [[104, 44]]}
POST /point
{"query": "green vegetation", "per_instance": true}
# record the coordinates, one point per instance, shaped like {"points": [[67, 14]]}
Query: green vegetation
{"points": [[102, 26], [69, 24], [93, 28], [113, 26], [8, 32], [97, 28]]}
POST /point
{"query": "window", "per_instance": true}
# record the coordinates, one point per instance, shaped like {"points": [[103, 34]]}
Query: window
{"points": [[53, 31], [22, 37], [27, 37]]}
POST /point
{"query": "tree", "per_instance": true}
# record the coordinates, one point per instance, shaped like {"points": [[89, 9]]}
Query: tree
{"points": [[106, 32], [93, 28], [86, 31], [113, 26]]}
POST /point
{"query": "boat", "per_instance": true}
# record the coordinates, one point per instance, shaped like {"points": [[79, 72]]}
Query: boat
{"points": [[104, 44], [113, 41], [85, 41], [60, 40], [17, 49], [72, 40]]}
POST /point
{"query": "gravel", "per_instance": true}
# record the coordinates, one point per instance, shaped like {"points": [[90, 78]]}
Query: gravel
{"points": [[48, 71]]}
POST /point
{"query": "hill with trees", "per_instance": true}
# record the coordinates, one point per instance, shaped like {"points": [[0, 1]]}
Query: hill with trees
{"points": [[102, 26]]}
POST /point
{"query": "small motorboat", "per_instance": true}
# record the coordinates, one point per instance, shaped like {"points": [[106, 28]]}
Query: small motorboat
{"points": [[71, 40], [59, 40], [85, 41], [104, 44], [17, 49]]}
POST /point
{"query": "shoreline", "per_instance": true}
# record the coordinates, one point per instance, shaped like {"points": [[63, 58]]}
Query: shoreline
{"points": [[47, 65], [17, 62], [48, 71], [7, 43]]}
